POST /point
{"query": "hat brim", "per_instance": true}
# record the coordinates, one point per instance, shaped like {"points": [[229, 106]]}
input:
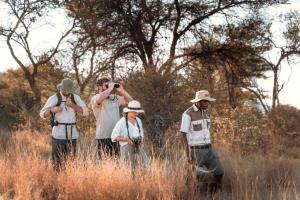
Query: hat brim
{"points": [[126, 110], [206, 98], [74, 89]]}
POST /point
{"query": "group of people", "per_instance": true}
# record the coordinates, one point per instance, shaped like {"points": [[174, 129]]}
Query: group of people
{"points": [[114, 136], [125, 136]]}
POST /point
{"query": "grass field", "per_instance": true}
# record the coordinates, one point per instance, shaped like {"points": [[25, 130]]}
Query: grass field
{"points": [[26, 173]]}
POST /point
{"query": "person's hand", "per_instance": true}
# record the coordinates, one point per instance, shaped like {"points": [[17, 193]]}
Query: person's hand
{"points": [[120, 89], [70, 103], [190, 159], [56, 109], [111, 86], [129, 141]]}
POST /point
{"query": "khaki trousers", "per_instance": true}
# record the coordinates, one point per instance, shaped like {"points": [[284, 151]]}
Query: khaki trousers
{"points": [[128, 155]]}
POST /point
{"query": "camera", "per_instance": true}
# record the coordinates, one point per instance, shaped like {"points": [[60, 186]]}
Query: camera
{"points": [[116, 85], [136, 144]]}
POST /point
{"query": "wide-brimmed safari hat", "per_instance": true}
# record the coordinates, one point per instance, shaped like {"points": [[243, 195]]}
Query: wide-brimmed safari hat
{"points": [[133, 106], [68, 86], [202, 95]]}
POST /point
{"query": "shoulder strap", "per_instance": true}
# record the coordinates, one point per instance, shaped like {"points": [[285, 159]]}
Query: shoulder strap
{"points": [[138, 126], [126, 120], [59, 98], [73, 98]]}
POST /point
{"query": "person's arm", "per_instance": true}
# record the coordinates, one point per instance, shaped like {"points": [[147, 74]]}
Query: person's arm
{"points": [[139, 121], [79, 107], [55, 110], [184, 129], [124, 93], [185, 146], [50, 107], [116, 135], [103, 95], [123, 139]]}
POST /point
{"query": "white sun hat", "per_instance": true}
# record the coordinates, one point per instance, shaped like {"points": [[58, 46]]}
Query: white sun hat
{"points": [[202, 95], [133, 106]]}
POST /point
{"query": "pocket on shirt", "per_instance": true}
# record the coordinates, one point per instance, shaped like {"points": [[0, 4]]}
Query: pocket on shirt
{"points": [[197, 127]]}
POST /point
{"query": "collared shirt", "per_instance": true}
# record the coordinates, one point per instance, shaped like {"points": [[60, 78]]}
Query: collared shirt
{"points": [[68, 115], [107, 114], [134, 130], [196, 123]]}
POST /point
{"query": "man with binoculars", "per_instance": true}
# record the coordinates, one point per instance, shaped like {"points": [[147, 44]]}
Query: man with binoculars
{"points": [[105, 107]]}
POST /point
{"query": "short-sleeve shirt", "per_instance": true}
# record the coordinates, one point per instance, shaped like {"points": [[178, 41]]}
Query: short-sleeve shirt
{"points": [[134, 130], [196, 123], [107, 114], [67, 115]]}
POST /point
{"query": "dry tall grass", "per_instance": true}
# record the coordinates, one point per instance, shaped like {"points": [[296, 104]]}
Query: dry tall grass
{"points": [[26, 173]]}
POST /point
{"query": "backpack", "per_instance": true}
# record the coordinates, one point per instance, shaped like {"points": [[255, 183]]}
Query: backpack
{"points": [[59, 100]]}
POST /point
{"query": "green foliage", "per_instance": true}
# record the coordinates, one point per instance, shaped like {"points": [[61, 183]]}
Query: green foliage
{"points": [[13, 99], [285, 120], [17, 100], [247, 130], [162, 97], [242, 129]]}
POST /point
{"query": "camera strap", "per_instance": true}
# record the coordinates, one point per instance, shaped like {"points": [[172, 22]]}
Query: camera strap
{"points": [[127, 127]]}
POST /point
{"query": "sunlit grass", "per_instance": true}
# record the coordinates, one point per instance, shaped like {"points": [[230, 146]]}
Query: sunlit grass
{"points": [[26, 173]]}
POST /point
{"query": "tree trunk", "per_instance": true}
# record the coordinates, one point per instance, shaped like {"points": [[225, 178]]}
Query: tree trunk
{"points": [[275, 88], [36, 92]]}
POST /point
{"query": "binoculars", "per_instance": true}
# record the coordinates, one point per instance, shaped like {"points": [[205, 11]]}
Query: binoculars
{"points": [[116, 85]]}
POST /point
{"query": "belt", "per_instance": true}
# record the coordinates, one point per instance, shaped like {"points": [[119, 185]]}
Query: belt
{"points": [[205, 146], [68, 124]]}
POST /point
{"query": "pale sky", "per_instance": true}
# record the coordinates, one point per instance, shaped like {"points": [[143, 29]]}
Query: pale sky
{"points": [[46, 36]]}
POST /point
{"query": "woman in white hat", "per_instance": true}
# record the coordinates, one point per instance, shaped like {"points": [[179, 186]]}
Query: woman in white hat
{"points": [[129, 133]]}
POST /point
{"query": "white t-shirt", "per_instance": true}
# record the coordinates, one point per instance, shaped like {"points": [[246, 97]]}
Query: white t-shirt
{"points": [[107, 114], [120, 130]]}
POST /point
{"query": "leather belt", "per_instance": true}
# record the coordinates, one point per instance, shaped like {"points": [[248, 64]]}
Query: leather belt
{"points": [[205, 146]]}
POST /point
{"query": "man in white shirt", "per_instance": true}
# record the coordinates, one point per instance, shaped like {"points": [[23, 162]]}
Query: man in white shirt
{"points": [[195, 129], [62, 107], [106, 105]]}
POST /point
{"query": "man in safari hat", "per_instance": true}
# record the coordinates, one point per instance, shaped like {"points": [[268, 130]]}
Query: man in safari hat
{"points": [[195, 129], [62, 108]]}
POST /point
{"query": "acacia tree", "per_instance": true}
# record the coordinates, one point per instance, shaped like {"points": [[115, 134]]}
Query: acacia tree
{"points": [[155, 32], [89, 60], [233, 61], [23, 15], [287, 52], [154, 35], [243, 62], [85, 55]]}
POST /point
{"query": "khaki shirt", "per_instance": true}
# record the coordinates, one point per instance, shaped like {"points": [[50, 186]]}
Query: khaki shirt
{"points": [[107, 114]]}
